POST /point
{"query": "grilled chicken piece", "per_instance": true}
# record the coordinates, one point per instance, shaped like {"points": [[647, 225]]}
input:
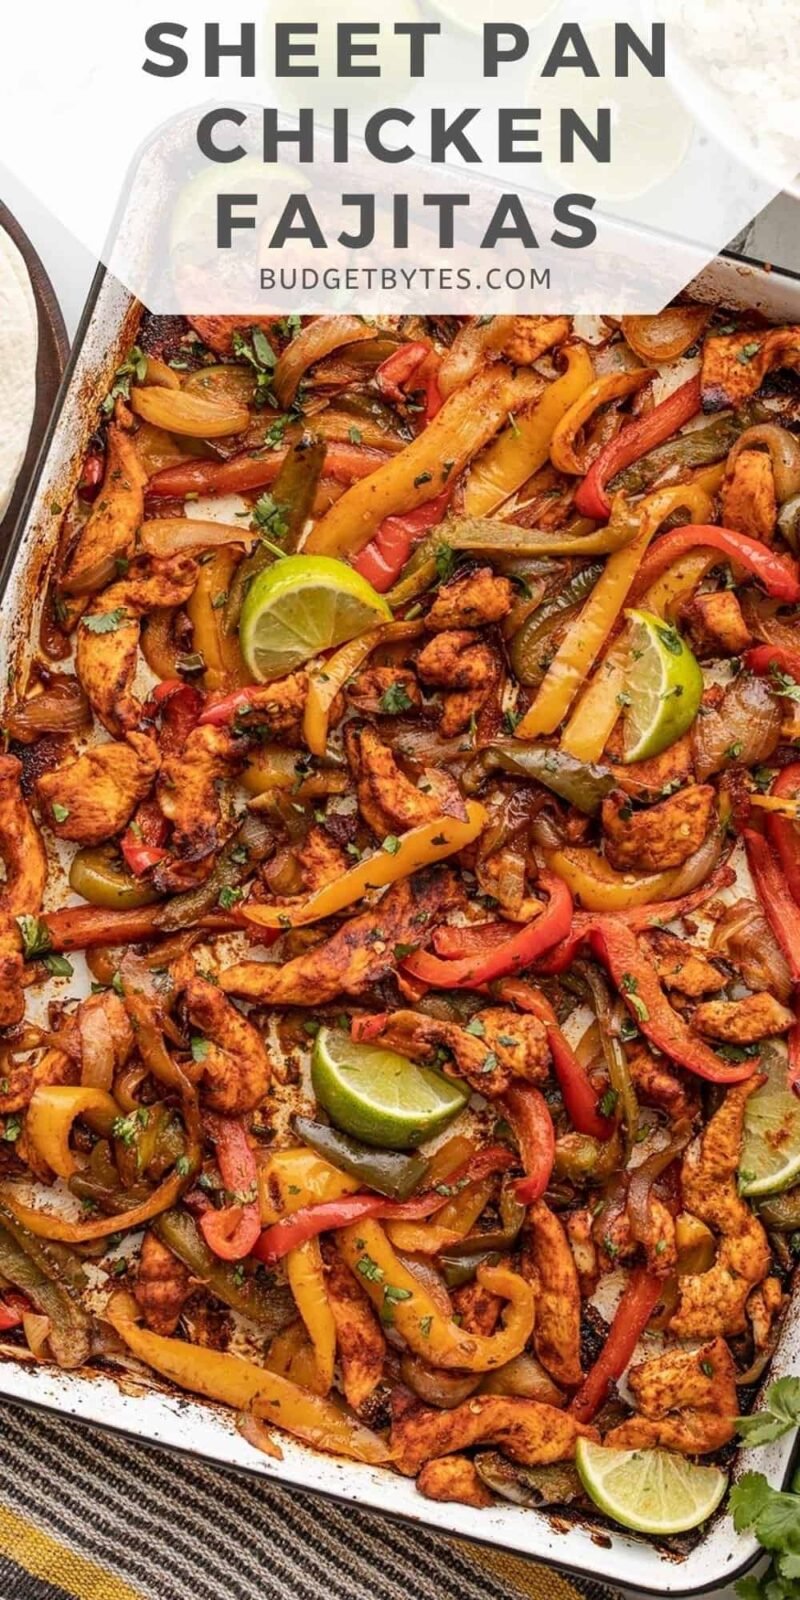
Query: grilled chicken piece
{"points": [[45, 1067], [763, 1306], [713, 1303], [715, 624], [759, 1016], [109, 534], [454, 1478], [361, 952], [509, 1046], [24, 866], [679, 965], [659, 1085], [584, 1250], [384, 691], [163, 1286], [525, 1430], [314, 862], [218, 332], [108, 636], [650, 780], [188, 789], [99, 790], [387, 799], [236, 1067], [277, 707], [688, 1400], [617, 1241], [470, 600], [548, 1263], [359, 1337], [477, 1307], [736, 364], [747, 498], [467, 666], [531, 336], [662, 836]]}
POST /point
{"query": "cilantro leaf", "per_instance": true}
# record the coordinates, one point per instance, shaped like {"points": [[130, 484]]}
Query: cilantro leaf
{"points": [[781, 1413]]}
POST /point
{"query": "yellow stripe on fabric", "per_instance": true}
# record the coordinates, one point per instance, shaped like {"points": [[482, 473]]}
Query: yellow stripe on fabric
{"points": [[521, 1575], [45, 1558]]}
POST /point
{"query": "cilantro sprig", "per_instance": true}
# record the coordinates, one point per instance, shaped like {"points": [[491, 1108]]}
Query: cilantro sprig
{"points": [[773, 1515]]}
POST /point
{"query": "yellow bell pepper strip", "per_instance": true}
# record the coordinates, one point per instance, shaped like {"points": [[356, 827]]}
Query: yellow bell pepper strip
{"points": [[242, 1384], [293, 1179], [402, 1303], [611, 386], [276, 767], [466, 422], [307, 1283], [397, 858], [52, 1110], [524, 446], [452, 1223], [224, 667], [597, 886], [326, 681], [483, 536], [291, 1355], [596, 621]]}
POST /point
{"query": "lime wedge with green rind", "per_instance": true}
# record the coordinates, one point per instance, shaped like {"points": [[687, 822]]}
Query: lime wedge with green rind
{"points": [[379, 1096], [663, 687], [650, 1491], [770, 1159], [300, 606]]}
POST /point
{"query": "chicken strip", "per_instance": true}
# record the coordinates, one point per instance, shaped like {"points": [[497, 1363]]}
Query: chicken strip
{"points": [[715, 624], [188, 789], [360, 953], [662, 836], [276, 708], [662, 1086], [454, 1478], [106, 654], [109, 533], [759, 1016], [236, 1067], [688, 1399], [163, 1286], [652, 779], [465, 664], [477, 1307], [525, 1430], [736, 364], [359, 1337], [94, 796], [531, 336], [679, 965], [24, 866], [471, 600], [315, 861], [584, 1250], [384, 691], [387, 799], [218, 331], [713, 1303], [748, 502], [763, 1306], [496, 1047], [548, 1263]]}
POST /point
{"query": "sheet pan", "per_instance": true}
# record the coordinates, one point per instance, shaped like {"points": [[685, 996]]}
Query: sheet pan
{"points": [[208, 1431]]}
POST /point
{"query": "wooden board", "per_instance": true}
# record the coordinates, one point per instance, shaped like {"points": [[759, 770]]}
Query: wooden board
{"points": [[50, 364]]}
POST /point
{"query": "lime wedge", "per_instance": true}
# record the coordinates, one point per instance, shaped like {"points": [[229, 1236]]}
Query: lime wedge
{"points": [[651, 1491], [663, 684], [300, 606], [378, 1096], [770, 1159]]}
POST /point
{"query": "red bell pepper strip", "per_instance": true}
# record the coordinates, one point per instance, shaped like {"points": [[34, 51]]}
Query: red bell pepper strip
{"points": [[641, 1296], [633, 442], [233, 1231], [518, 952], [615, 945], [223, 711], [87, 927], [293, 1230], [778, 574], [10, 1316], [180, 705], [477, 938], [782, 832], [343, 462], [528, 1113], [383, 559], [434, 399], [763, 657], [780, 908], [369, 1027], [394, 373], [142, 843], [580, 1098]]}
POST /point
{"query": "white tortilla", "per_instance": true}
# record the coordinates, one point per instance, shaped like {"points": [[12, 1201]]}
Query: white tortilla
{"points": [[19, 340]]}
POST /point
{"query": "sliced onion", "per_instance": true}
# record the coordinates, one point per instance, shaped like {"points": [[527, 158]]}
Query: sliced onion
{"points": [[435, 1387], [315, 341], [471, 346], [37, 1329], [748, 721], [744, 936], [98, 1056], [763, 618], [784, 452], [172, 536], [644, 1176], [526, 1377], [667, 335], [258, 1435], [189, 415], [60, 707]]}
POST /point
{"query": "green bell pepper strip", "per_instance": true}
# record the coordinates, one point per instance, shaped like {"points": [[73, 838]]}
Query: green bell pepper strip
{"points": [[485, 536], [386, 1171], [582, 785], [251, 1295], [293, 495], [702, 447], [529, 648]]}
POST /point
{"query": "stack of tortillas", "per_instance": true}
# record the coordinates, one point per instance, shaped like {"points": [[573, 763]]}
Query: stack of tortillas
{"points": [[19, 339]]}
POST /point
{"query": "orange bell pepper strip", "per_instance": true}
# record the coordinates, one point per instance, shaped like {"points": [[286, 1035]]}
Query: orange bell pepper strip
{"points": [[242, 1384], [224, 666], [467, 421], [292, 1180], [345, 463], [611, 386], [397, 858], [403, 1303], [52, 1110], [523, 447], [632, 1315]]}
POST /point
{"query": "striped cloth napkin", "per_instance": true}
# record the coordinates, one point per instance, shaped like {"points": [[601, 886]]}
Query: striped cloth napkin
{"points": [[95, 1516]]}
